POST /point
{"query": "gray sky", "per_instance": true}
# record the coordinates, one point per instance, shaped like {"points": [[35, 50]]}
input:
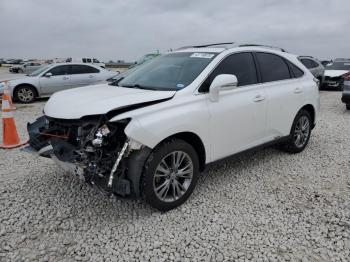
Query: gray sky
{"points": [[127, 29]]}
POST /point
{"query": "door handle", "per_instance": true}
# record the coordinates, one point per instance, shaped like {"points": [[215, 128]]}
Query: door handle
{"points": [[91, 76], [258, 98], [65, 78], [298, 90]]}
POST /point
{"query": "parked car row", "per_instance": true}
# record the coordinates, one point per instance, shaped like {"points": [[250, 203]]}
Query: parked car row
{"points": [[56, 77], [26, 68], [151, 133]]}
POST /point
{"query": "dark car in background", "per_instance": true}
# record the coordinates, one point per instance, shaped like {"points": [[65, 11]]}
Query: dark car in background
{"points": [[314, 66], [346, 92]]}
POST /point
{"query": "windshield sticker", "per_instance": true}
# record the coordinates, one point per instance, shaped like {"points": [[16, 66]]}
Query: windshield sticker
{"points": [[180, 85], [202, 55]]}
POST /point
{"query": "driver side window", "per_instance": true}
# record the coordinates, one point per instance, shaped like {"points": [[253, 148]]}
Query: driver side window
{"points": [[240, 64], [60, 70]]}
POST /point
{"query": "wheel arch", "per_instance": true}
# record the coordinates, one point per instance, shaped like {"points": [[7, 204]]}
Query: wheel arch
{"points": [[311, 109], [196, 142], [138, 158], [25, 84]]}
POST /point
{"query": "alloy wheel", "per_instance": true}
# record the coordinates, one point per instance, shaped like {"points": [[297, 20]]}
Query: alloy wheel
{"points": [[25, 94], [302, 131], [173, 176]]}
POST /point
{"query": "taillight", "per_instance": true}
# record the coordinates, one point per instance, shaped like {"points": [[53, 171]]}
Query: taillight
{"points": [[346, 77]]}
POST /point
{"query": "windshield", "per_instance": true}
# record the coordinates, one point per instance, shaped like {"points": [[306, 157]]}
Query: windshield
{"points": [[168, 72], [338, 66], [39, 70]]}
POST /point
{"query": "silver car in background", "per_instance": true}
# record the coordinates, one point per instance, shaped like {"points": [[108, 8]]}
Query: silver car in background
{"points": [[314, 66], [26, 68], [56, 77]]}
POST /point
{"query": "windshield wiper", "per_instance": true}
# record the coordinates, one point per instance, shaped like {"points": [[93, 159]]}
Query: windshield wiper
{"points": [[139, 87]]}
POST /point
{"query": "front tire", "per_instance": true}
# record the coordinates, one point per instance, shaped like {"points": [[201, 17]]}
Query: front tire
{"points": [[25, 94], [300, 133], [348, 106], [170, 175]]}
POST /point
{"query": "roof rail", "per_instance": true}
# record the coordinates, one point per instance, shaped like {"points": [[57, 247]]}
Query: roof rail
{"points": [[267, 46], [309, 56], [223, 45]]}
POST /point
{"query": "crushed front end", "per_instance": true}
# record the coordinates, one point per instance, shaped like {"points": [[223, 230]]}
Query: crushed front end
{"points": [[96, 150]]}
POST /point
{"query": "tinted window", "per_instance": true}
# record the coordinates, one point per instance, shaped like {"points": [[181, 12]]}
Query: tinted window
{"points": [[308, 63], [84, 60], [241, 65], [272, 67], [314, 64], [296, 71], [60, 70], [84, 69], [88, 60]]}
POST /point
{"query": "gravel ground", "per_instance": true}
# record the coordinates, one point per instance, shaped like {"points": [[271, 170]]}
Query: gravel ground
{"points": [[263, 206]]}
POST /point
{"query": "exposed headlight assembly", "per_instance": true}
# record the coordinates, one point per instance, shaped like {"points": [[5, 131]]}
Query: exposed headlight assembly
{"points": [[101, 133]]}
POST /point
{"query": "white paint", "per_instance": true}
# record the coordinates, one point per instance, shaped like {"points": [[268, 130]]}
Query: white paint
{"points": [[241, 118]]}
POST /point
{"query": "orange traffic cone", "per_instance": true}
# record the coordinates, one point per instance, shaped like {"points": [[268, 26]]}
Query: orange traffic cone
{"points": [[7, 92], [10, 137]]}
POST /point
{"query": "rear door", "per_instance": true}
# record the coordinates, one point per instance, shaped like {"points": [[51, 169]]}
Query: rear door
{"points": [[238, 119], [59, 80], [284, 91], [83, 75]]}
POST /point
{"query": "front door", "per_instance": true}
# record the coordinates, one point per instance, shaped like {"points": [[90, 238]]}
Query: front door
{"points": [[238, 119]]}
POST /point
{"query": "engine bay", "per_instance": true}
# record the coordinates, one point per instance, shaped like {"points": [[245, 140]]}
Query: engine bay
{"points": [[97, 148]]}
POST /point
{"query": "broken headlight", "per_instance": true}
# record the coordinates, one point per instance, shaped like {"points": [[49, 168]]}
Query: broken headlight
{"points": [[100, 136]]}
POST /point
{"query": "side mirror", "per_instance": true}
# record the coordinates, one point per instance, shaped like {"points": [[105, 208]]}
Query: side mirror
{"points": [[221, 83], [48, 75]]}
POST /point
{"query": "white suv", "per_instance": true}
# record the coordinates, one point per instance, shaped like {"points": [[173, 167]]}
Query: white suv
{"points": [[152, 133]]}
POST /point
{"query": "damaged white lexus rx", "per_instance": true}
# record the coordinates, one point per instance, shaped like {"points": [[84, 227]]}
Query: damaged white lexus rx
{"points": [[150, 134]]}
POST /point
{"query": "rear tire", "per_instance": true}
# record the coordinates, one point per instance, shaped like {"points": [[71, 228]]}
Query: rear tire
{"points": [[170, 174], [25, 94], [299, 134]]}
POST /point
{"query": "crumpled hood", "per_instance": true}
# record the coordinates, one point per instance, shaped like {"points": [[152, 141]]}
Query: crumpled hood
{"points": [[335, 73], [98, 99]]}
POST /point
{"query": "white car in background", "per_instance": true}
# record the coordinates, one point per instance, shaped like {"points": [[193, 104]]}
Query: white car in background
{"points": [[151, 133], [86, 60], [56, 77], [336, 72]]}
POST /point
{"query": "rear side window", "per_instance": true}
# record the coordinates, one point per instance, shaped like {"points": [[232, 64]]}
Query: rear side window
{"points": [[83, 69], [296, 71], [88, 60], [84, 60], [60, 70], [241, 65], [272, 67]]}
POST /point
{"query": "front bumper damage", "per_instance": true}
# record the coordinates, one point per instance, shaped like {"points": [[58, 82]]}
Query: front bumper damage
{"points": [[93, 149]]}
